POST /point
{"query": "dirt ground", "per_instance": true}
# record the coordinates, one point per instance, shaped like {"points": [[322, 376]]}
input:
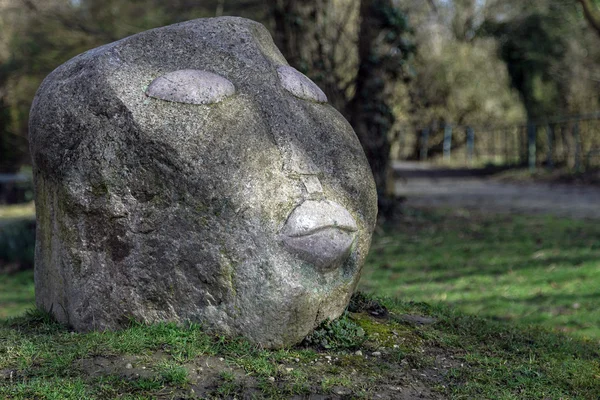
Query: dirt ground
{"points": [[426, 186]]}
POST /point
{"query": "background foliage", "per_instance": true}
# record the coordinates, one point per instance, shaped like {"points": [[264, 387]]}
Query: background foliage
{"points": [[393, 67]]}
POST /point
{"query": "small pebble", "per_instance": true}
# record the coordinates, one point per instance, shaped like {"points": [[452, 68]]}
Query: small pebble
{"points": [[376, 353], [396, 346], [297, 359], [328, 358], [358, 353], [289, 369], [128, 366], [342, 391], [271, 379], [221, 359]]}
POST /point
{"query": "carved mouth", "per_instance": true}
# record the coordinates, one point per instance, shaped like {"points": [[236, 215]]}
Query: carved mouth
{"points": [[320, 232]]}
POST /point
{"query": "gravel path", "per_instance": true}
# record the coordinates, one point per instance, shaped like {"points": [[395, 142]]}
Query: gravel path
{"points": [[426, 186]]}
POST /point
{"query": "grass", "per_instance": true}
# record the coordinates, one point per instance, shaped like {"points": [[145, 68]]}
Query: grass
{"points": [[504, 308], [457, 356], [16, 211], [16, 293], [526, 269]]}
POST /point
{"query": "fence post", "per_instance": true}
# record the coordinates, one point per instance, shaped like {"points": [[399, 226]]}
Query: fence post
{"points": [[523, 144], [531, 144], [424, 143], [492, 146], [470, 144], [577, 147], [506, 152], [447, 142], [550, 132]]}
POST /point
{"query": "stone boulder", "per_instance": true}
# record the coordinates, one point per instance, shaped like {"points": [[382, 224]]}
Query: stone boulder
{"points": [[187, 173]]}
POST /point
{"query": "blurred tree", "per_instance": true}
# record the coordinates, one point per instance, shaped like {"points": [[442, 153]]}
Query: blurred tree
{"points": [[383, 52], [13, 149], [548, 52], [457, 77], [495, 62], [533, 46], [295, 29], [591, 11]]}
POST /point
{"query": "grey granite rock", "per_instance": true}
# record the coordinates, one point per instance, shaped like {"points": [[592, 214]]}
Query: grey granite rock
{"points": [[181, 176]]}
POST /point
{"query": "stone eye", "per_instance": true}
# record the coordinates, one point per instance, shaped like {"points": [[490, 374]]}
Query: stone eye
{"points": [[299, 85], [191, 86]]}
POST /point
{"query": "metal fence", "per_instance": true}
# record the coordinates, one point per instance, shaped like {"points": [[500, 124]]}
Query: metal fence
{"points": [[569, 142], [15, 188]]}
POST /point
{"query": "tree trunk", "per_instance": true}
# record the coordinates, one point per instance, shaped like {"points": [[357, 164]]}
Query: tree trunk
{"points": [[294, 29], [592, 14], [369, 111]]}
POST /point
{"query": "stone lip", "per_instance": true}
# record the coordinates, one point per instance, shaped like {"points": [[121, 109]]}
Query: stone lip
{"points": [[321, 233], [191, 86]]}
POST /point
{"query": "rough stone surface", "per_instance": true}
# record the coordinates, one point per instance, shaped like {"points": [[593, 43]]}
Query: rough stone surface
{"points": [[159, 210]]}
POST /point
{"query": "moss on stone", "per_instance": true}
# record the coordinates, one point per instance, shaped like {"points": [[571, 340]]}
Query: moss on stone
{"points": [[99, 189]]}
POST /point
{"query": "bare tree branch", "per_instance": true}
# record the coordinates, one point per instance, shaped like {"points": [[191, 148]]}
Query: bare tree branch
{"points": [[433, 6]]}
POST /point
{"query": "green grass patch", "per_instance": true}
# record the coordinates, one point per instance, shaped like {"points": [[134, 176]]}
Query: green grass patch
{"points": [[17, 211], [172, 373], [16, 293], [527, 269], [504, 307], [450, 355]]}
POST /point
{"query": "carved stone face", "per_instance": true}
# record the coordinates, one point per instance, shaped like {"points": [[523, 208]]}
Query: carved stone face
{"points": [[188, 173]]}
